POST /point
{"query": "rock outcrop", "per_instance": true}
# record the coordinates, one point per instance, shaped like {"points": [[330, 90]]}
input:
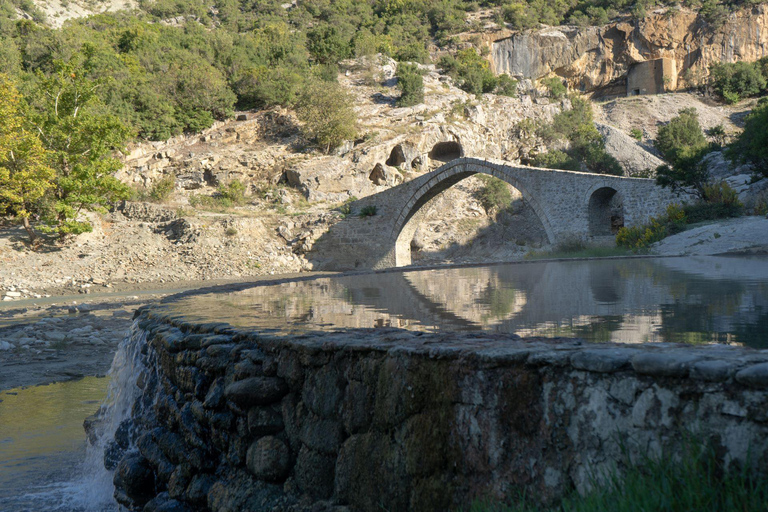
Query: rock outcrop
{"points": [[597, 59]]}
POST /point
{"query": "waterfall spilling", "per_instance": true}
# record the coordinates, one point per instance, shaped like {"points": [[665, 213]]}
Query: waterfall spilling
{"points": [[129, 365], [90, 487]]}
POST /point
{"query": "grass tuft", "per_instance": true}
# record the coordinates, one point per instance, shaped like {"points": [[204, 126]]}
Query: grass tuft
{"points": [[689, 479]]}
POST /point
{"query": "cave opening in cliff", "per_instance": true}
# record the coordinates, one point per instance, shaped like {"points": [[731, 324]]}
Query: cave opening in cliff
{"points": [[606, 212], [446, 151]]}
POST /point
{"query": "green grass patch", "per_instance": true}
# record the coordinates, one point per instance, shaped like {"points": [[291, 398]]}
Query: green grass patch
{"points": [[691, 478]]}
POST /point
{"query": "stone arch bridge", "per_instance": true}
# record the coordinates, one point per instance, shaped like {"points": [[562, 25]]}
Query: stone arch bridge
{"points": [[569, 205]]}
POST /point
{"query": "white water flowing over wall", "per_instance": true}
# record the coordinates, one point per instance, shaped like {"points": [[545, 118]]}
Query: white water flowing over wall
{"points": [[93, 490]]}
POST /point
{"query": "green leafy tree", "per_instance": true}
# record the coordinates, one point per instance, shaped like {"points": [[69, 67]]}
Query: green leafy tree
{"points": [[586, 147], [327, 45], [81, 140], [733, 81], [751, 146], [683, 144], [471, 70], [327, 113], [25, 176], [411, 85]]}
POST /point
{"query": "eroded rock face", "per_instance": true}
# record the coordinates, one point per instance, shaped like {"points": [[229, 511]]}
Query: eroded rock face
{"points": [[419, 421], [595, 58]]}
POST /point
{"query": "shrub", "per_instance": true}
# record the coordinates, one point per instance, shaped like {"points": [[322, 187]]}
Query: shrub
{"points": [[233, 192], [682, 137], [368, 211], [751, 146], [327, 113], [682, 143], [720, 202], [162, 188], [555, 86], [471, 71], [636, 133], [494, 195], [641, 237], [411, 85], [413, 52], [736, 80], [586, 145], [718, 135], [506, 86]]}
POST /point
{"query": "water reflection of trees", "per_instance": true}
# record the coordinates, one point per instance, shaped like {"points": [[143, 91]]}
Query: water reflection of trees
{"points": [[619, 300]]}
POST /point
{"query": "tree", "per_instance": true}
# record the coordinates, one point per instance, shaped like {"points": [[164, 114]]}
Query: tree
{"points": [[81, 141], [586, 147], [327, 113], [682, 138], [683, 144], [471, 70], [327, 45], [411, 85], [25, 176], [737, 80], [751, 146]]}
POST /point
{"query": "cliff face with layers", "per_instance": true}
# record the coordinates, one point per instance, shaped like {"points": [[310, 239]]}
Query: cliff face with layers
{"points": [[597, 59]]}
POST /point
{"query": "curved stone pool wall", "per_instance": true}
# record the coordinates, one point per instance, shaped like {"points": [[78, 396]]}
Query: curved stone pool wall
{"points": [[365, 419]]}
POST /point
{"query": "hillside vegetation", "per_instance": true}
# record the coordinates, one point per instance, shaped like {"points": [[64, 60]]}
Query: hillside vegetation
{"points": [[175, 66]]}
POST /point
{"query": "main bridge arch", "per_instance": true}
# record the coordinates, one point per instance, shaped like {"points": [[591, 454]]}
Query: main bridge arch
{"points": [[569, 204], [441, 180]]}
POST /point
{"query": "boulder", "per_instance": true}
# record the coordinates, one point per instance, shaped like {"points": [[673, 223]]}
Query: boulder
{"points": [[134, 481], [269, 459], [256, 391]]}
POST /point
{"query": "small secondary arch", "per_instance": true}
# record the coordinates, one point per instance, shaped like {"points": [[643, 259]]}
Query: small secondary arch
{"points": [[605, 212]]}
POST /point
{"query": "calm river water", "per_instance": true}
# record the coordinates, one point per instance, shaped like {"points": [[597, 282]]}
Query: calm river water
{"points": [[688, 300], [691, 300]]}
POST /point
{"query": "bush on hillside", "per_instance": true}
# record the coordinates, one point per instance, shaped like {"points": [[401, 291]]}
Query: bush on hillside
{"points": [[682, 143], [586, 147], [494, 195], [733, 81], [751, 146], [411, 85]]}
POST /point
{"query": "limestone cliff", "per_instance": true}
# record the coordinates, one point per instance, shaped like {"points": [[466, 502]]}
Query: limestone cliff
{"points": [[597, 59]]}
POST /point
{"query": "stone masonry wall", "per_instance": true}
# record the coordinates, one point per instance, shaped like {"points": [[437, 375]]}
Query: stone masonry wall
{"points": [[361, 419]]}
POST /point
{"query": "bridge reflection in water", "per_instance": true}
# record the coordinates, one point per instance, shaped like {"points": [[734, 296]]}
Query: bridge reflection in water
{"points": [[693, 299]]}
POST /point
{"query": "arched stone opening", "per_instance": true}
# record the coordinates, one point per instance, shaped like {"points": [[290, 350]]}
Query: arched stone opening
{"points": [[605, 212], [446, 151], [406, 241]]}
